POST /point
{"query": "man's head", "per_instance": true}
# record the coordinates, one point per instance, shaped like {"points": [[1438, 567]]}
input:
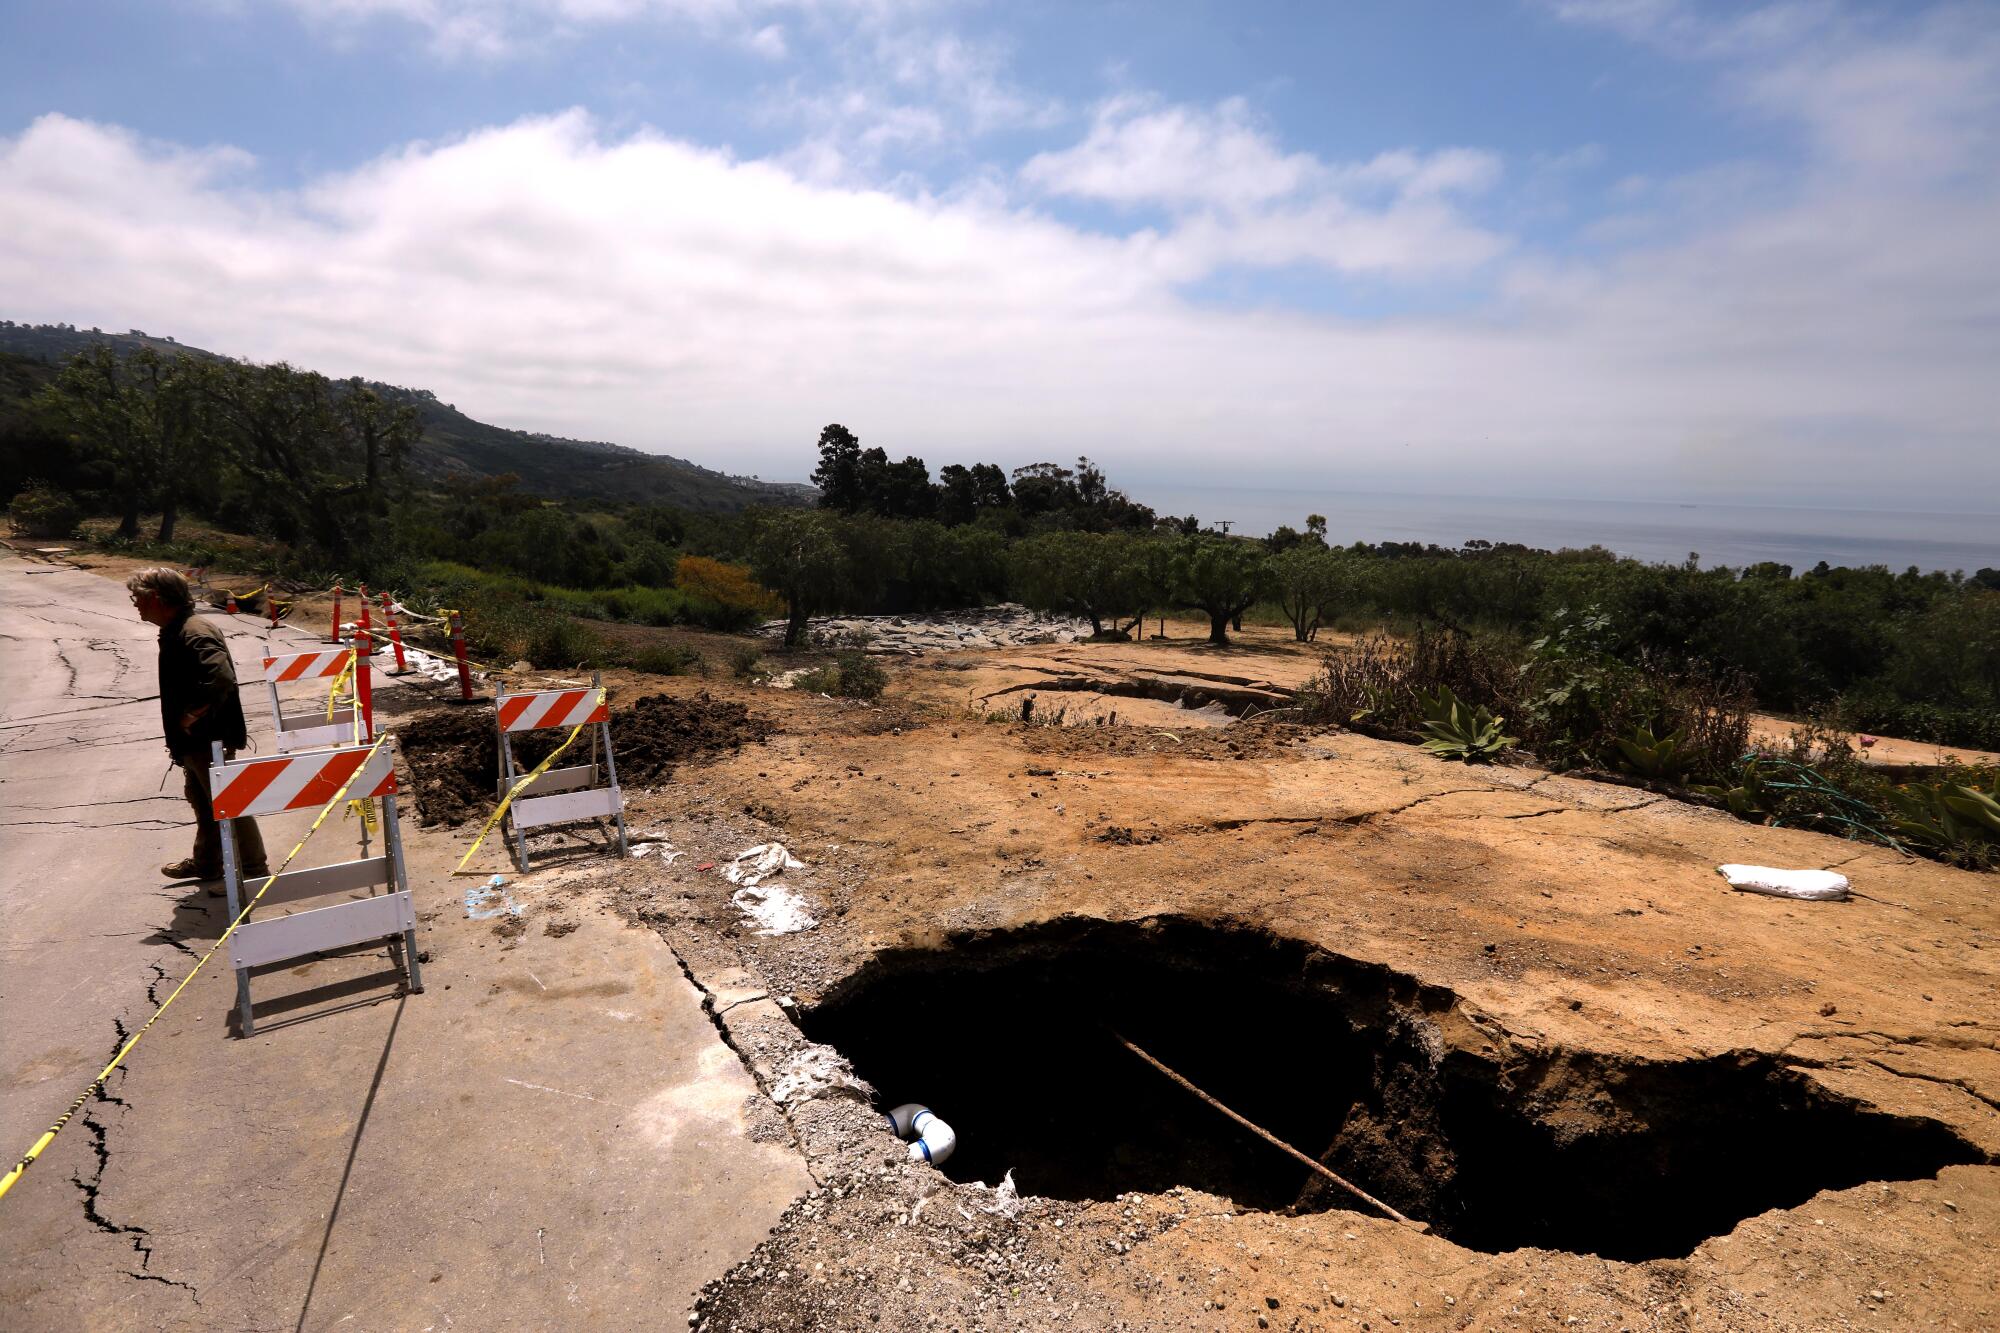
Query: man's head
{"points": [[160, 595]]}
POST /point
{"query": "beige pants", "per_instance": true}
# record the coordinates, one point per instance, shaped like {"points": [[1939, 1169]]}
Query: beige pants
{"points": [[208, 834]]}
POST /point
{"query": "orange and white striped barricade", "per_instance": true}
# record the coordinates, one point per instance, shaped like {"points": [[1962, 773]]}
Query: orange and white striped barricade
{"points": [[307, 780], [561, 795], [297, 731]]}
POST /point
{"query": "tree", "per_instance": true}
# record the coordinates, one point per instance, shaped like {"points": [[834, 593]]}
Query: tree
{"points": [[838, 475], [957, 501], [1302, 578], [383, 434], [1088, 574], [149, 420], [798, 555], [1044, 488], [1220, 577]]}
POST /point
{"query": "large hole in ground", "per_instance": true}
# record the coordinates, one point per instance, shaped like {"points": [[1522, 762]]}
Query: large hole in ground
{"points": [[1005, 1037]]}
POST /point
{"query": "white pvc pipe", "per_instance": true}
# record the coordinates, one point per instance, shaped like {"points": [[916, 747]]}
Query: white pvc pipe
{"points": [[931, 1139]]}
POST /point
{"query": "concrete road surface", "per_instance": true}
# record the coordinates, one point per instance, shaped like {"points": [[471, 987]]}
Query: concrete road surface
{"points": [[552, 1135]]}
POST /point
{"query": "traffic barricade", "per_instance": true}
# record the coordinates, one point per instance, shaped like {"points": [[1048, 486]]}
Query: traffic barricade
{"points": [[301, 781], [562, 795], [315, 726]]}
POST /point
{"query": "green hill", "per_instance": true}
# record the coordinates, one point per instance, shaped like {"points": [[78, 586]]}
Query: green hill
{"points": [[453, 442]]}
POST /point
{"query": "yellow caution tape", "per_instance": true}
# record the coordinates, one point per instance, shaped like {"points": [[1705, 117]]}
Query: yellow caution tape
{"points": [[28, 1158], [346, 675], [514, 791]]}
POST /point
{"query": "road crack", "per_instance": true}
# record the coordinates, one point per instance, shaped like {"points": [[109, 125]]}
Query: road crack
{"points": [[92, 1189]]}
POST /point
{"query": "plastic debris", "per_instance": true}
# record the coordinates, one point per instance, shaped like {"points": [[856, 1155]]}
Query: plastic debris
{"points": [[1805, 885], [756, 864], [1001, 1200], [773, 909], [486, 901], [815, 1072]]}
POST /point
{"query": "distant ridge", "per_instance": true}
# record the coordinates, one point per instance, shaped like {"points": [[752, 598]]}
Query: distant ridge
{"points": [[548, 465]]}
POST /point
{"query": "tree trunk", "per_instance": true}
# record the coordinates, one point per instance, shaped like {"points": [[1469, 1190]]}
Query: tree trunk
{"points": [[1236, 622], [128, 525], [795, 626], [1096, 625], [170, 512], [1218, 628]]}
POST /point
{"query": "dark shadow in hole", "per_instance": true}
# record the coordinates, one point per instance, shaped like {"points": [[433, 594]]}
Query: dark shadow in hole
{"points": [[1004, 1037]]}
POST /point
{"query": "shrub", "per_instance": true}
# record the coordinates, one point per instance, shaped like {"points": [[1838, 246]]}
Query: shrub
{"points": [[1379, 684], [851, 675], [43, 511], [554, 640], [729, 596], [663, 659], [747, 662]]}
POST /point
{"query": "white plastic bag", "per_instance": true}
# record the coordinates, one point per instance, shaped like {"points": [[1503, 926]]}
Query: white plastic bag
{"points": [[1806, 885], [759, 863]]}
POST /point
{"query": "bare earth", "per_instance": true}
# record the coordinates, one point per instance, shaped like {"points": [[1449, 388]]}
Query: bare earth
{"points": [[1564, 942]]}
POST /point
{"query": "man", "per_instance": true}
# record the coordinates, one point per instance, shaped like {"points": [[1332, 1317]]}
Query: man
{"points": [[198, 705]]}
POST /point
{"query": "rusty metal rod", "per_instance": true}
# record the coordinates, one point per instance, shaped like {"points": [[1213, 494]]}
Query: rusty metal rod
{"points": [[1271, 1138]]}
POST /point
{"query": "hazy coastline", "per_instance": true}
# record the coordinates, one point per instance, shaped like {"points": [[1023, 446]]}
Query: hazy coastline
{"points": [[1723, 534]]}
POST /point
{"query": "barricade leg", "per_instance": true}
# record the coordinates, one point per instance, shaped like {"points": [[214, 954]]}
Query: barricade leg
{"points": [[507, 779], [611, 772], [333, 636], [233, 886], [392, 833]]}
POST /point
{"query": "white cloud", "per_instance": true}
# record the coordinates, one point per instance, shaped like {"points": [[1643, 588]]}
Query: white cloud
{"points": [[1140, 152], [498, 29], [1832, 330], [769, 41], [1237, 198]]}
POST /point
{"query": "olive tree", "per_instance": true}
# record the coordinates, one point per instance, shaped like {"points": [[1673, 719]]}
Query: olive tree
{"points": [[797, 554], [1219, 576]]}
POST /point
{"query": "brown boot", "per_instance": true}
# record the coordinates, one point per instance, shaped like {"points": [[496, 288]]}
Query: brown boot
{"points": [[252, 881], [189, 868]]}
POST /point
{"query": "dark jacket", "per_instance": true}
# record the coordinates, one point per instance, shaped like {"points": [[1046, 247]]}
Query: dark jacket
{"points": [[195, 672]]}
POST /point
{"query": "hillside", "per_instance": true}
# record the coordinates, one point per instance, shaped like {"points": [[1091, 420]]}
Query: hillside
{"points": [[453, 442]]}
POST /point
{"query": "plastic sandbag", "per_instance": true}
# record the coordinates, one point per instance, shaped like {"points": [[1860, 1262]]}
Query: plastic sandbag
{"points": [[759, 863], [1807, 885]]}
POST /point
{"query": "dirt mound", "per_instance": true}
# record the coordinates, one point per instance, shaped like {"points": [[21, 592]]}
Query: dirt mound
{"points": [[1258, 738], [454, 755]]}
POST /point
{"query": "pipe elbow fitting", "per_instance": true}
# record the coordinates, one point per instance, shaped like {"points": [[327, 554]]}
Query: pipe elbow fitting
{"points": [[931, 1139]]}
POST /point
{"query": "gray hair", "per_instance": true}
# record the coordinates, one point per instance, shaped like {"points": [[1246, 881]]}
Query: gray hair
{"points": [[165, 584]]}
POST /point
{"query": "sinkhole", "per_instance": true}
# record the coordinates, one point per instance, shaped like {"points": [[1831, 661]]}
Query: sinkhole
{"points": [[1008, 1037]]}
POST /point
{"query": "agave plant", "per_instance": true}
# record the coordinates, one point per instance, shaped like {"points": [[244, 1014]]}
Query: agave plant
{"points": [[1959, 822], [1747, 798], [1456, 731], [1661, 758]]}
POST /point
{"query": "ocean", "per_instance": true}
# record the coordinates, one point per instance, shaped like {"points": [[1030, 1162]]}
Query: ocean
{"points": [[1721, 534]]}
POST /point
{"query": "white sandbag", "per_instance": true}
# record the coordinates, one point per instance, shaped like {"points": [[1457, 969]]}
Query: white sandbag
{"points": [[1809, 885], [760, 863]]}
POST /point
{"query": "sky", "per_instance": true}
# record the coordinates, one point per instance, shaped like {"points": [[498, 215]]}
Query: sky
{"points": [[1650, 249]]}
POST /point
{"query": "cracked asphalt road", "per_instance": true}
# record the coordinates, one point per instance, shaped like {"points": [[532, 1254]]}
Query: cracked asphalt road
{"points": [[553, 1134]]}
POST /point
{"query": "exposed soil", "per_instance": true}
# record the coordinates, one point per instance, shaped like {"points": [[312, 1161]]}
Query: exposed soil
{"points": [[1521, 1006], [454, 754]]}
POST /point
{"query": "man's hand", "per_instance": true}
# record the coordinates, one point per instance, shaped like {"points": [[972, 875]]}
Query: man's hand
{"points": [[192, 716]]}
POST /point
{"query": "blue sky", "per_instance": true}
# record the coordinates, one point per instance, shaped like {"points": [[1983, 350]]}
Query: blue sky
{"points": [[1618, 247]]}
